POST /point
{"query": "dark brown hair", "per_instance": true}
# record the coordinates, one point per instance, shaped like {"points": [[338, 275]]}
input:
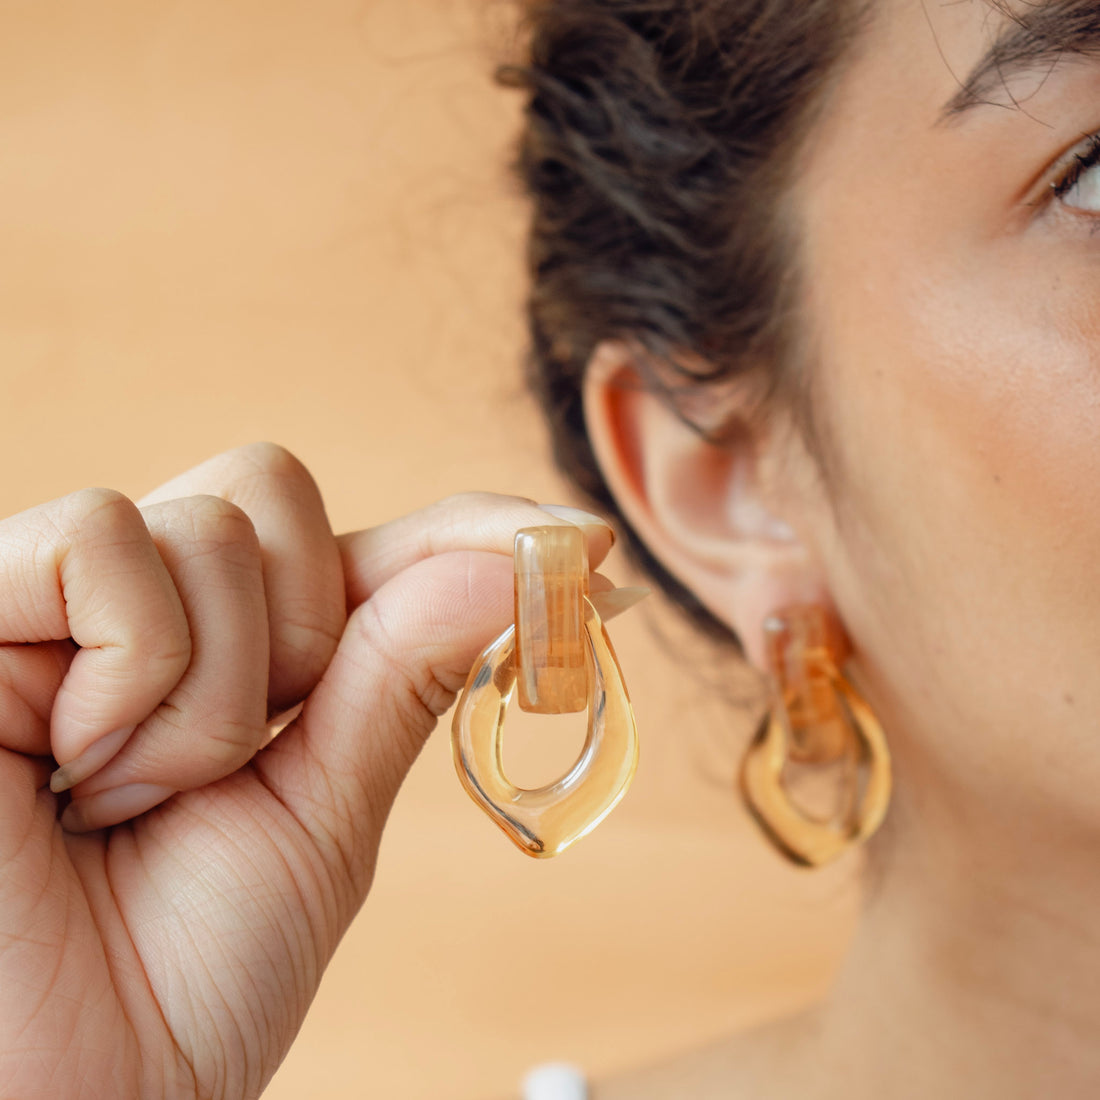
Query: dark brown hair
{"points": [[658, 139]]}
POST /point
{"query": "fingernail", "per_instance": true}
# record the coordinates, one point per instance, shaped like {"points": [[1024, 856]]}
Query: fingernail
{"points": [[580, 517], [89, 761], [618, 600], [110, 807]]}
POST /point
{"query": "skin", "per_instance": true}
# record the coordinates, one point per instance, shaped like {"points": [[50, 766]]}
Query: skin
{"points": [[175, 955], [956, 330], [953, 308]]}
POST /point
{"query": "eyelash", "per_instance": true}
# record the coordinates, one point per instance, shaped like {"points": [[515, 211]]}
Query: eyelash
{"points": [[1082, 162]]}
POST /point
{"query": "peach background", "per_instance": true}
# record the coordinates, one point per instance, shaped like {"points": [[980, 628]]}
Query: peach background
{"points": [[290, 220]]}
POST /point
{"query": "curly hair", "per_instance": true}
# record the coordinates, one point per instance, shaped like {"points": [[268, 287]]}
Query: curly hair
{"points": [[657, 149]]}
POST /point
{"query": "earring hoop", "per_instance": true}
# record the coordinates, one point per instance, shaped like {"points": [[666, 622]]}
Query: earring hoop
{"points": [[559, 651], [816, 717]]}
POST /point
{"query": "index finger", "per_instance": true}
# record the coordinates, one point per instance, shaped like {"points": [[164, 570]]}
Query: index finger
{"points": [[371, 557]]}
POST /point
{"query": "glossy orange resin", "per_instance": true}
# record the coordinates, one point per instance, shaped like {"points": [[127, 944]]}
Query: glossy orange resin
{"points": [[798, 648], [551, 579]]}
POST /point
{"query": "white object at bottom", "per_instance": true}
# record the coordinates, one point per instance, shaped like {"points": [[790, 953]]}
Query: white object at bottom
{"points": [[555, 1081]]}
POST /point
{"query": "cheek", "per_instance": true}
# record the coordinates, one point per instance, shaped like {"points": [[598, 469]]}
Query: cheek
{"points": [[965, 413], [984, 402]]}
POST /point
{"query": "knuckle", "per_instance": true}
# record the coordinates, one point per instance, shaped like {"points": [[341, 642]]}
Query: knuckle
{"points": [[217, 525], [305, 635], [109, 527], [95, 540], [161, 648], [156, 655], [228, 746], [452, 517], [225, 743], [165, 644], [169, 657], [309, 631], [101, 511], [456, 517], [273, 461], [217, 516]]}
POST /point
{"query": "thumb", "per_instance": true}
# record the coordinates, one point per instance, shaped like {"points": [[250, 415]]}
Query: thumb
{"points": [[403, 657]]}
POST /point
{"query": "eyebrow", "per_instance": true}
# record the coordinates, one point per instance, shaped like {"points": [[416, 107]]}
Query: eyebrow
{"points": [[1036, 37]]}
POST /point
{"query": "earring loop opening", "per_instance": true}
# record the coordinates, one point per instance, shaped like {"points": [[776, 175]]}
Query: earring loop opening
{"points": [[817, 717], [544, 821]]}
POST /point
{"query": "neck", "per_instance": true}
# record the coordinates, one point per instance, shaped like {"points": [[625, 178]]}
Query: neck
{"points": [[976, 966]]}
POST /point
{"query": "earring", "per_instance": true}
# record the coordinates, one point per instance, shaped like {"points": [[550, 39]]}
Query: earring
{"points": [[559, 656], [817, 717]]}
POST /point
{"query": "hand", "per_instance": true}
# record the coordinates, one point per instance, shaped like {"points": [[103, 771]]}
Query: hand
{"points": [[145, 647]]}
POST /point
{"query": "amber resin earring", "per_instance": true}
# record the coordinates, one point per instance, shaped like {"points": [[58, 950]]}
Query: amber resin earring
{"points": [[559, 657], [818, 718]]}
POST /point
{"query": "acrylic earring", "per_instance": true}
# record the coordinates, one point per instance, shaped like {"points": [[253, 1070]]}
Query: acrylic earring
{"points": [[558, 654], [817, 717]]}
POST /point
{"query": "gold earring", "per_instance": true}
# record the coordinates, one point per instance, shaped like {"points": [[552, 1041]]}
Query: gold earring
{"points": [[559, 655], [817, 717]]}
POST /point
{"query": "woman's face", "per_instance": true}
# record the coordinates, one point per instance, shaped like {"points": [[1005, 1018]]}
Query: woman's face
{"points": [[954, 300], [953, 314]]}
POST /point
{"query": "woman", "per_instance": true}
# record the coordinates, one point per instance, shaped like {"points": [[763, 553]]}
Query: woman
{"points": [[818, 282]]}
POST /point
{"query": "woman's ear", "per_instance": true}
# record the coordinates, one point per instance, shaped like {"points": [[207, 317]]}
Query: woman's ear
{"points": [[720, 518]]}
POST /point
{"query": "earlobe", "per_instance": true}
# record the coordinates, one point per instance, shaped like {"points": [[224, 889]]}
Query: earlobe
{"points": [[706, 511]]}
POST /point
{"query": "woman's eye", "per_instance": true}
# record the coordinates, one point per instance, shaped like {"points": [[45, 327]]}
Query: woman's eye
{"points": [[1085, 192]]}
